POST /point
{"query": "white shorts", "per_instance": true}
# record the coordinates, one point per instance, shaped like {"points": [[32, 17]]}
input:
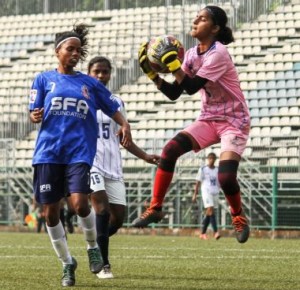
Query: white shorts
{"points": [[115, 189], [210, 200]]}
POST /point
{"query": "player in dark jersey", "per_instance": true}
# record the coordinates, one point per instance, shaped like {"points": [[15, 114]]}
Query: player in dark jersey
{"points": [[65, 102]]}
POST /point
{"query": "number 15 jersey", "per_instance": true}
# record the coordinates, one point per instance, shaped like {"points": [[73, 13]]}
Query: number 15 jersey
{"points": [[108, 159]]}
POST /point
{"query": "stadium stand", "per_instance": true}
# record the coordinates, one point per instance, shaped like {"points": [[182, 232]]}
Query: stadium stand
{"points": [[33, 36], [267, 52]]}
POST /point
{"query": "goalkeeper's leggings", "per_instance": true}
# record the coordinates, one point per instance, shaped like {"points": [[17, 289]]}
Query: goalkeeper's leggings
{"points": [[176, 147]]}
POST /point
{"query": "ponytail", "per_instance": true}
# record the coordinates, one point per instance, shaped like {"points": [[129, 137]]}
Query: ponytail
{"points": [[225, 35]]}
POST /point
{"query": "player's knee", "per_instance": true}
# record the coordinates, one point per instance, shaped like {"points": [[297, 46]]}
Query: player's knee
{"points": [[227, 176], [180, 144], [82, 210], [52, 221], [51, 215], [177, 146], [104, 212], [209, 211]]}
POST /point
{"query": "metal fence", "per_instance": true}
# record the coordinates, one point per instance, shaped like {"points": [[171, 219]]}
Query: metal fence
{"points": [[271, 196]]}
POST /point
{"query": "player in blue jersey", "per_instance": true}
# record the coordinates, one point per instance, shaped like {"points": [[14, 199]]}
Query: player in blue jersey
{"points": [[108, 198], [65, 102]]}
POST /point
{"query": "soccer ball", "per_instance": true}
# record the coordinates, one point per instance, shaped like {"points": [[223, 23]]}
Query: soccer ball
{"points": [[162, 43]]}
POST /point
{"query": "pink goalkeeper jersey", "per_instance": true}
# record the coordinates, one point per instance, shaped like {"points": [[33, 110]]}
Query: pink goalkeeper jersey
{"points": [[222, 97]]}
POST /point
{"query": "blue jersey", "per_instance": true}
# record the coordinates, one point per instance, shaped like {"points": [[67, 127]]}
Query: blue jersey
{"points": [[69, 130]]}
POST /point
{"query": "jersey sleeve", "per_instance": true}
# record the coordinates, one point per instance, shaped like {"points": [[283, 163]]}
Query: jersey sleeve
{"points": [[105, 100], [37, 93], [214, 66]]}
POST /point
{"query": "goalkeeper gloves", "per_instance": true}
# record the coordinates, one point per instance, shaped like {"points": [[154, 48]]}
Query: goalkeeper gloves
{"points": [[167, 52], [144, 64], [169, 58]]}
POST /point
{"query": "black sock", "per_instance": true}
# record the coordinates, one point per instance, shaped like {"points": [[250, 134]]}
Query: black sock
{"points": [[205, 224], [213, 223], [112, 229], [102, 224]]}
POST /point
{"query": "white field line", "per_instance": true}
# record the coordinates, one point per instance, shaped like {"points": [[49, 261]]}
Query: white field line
{"points": [[241, 253], [167, 248], [161, 257], [208, 250]]}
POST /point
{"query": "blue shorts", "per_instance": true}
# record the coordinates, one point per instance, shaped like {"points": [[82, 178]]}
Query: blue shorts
{"points": [[52, 182]]}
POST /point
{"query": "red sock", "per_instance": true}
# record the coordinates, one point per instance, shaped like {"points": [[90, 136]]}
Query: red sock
{"points": [[235, 203], [161, 183]]}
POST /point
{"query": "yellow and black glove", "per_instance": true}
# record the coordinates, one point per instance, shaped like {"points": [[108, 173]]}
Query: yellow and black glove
{"points": [[169, 58], [144, 64], [167, 52]]}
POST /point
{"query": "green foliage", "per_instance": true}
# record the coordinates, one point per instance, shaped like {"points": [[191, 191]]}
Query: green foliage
{"points": [[27, 261]]}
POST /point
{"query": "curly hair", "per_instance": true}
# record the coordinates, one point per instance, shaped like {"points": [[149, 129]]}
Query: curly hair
{"points": [[79, 31]]}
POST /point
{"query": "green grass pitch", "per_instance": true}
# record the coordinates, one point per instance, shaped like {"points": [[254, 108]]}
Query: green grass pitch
{"points": [[27, 261]]}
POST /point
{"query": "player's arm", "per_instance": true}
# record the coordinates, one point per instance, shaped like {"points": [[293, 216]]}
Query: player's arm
{"points": [[34, 204], [134, 149], [183, 83], [169, 56], [36, 100], [196, 191], [190, 85], [124, 132], [138, 152], [172, 91]]}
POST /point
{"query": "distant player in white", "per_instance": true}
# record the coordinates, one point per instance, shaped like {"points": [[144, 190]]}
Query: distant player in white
{"points": [[106, 173], [207, 177]]}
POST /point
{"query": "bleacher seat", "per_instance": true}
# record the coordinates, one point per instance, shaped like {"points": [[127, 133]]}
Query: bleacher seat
{"points": [[270, 71], [293, 161], [283, 161], [285, 131]]}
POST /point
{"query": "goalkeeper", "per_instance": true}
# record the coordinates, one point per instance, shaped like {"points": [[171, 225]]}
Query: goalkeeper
{"points": [[209, 69]]}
